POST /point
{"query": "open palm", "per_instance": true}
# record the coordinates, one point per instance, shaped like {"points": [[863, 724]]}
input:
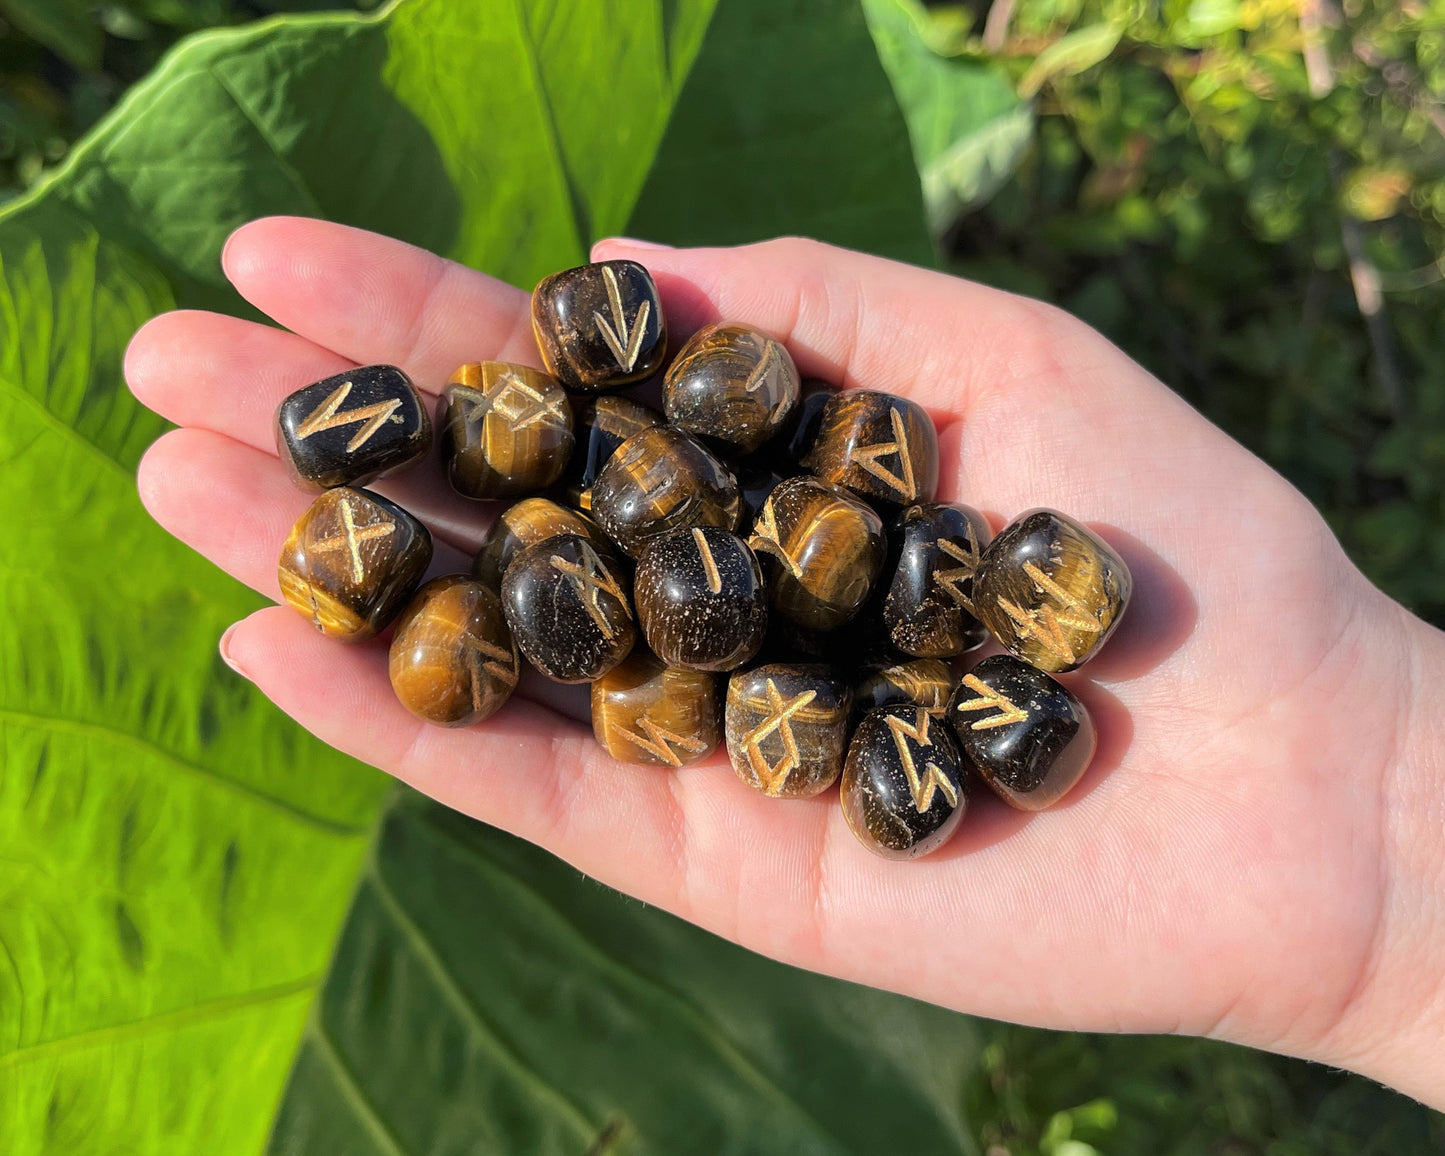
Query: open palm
{"points": [[1217, 871]]}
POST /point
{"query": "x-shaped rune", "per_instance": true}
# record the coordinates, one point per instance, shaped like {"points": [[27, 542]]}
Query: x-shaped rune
{"points": [[352, 536]]}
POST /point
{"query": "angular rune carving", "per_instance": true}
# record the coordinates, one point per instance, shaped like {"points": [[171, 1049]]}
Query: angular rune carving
{"points": [[780, 714], [519, 404], [964, 572], [485, 657], [990, 699], [921, 787], [657, 742], [765, 539], [625, 341], [352, 536], [590, 578], [325, 416], [1044, 623], [866, 457]]}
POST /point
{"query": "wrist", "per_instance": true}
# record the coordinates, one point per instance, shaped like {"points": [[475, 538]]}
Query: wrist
{"points": [[1392, 1027]]}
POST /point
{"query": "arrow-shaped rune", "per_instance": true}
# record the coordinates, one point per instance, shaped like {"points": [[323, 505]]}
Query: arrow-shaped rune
{"points": [[990, 699], [624, 341], [1045, 624], [324, 417]]}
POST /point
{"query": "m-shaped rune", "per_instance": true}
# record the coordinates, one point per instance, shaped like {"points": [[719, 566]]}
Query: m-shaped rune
{"points": [[625, 341], [780, 714], [352, 536], [866, 457], [325, 416], [921, 787], [658, 740], [589, 579], [520, 404]]}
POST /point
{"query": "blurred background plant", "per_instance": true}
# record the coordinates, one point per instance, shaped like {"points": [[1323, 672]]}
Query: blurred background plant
{"points": [[1245, 194]]}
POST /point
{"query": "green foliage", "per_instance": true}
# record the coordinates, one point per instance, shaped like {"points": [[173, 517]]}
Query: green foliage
{"points": [[1227, 194], [177, 859]]}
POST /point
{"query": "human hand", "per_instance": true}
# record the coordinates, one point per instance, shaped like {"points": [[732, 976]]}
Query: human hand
{"points": [[1255, 853]]}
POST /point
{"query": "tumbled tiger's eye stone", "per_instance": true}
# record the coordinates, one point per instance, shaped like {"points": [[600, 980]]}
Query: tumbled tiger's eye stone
{"points": [[567, 608], [1050, 590], [599, 326], [505, 429], [787, 727], [928, 608], [524, 524], [602, 425], [878, 445], [452, 658], [700, 599], [924, 682], [352, 428], [662, 480], [351, 562], [904, 791], [1025, 733], [732, 383], [828, 547], [644, 711]]}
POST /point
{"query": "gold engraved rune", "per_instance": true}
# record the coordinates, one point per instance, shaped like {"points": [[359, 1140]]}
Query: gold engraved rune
{"points": [[714, 579], [990, 699], [768, 366], [625, 341], [1044, 624], [351, 538], [933, 779], [325, 416], [780, 714], [485, 657], [518, 403], [866, 457], [657, 740], [589, 579], [950, 579], [765, 538]]}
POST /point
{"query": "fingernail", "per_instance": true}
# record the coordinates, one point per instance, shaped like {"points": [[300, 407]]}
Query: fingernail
{"points": [[226, 656], [634, 243]]}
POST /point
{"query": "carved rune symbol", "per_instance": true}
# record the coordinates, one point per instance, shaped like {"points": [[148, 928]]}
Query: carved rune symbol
{"points": [[933, 779], [351, 538], [518, 403], [657, 741], [625, 341], [990, 699], [325, 416], [950, 580], [589, 579], [1046, 625], [780, 714], [714, 579], [769, 366], [485, 657], [866, 457], [765, 538]]}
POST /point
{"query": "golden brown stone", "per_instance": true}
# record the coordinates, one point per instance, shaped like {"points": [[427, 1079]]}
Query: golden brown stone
{"points": [[452, 659], [351, 562], [925, 682], [880, 446], [1050, 590], [732, 383], [827, 548], [505, 430], [644, 711], [599, 326], [787, 727]]}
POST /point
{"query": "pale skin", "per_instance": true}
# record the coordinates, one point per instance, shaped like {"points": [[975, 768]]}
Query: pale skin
{"points": [[1258, 852]]}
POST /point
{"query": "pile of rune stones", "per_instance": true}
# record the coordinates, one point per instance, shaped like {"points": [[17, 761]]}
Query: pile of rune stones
{"points": [[761, 565]]}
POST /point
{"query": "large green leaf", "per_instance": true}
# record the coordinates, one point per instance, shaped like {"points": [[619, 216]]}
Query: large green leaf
{"points": [[176, 861]]}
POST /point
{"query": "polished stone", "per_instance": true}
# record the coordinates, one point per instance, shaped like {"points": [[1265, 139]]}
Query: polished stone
{"points": [[452, 659], [644, 711], [524, 524], [731, 383], [878, 445], [505, 430], [928, 609], [787, 727], [925, 682], [599, 326], [351, 562]]}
